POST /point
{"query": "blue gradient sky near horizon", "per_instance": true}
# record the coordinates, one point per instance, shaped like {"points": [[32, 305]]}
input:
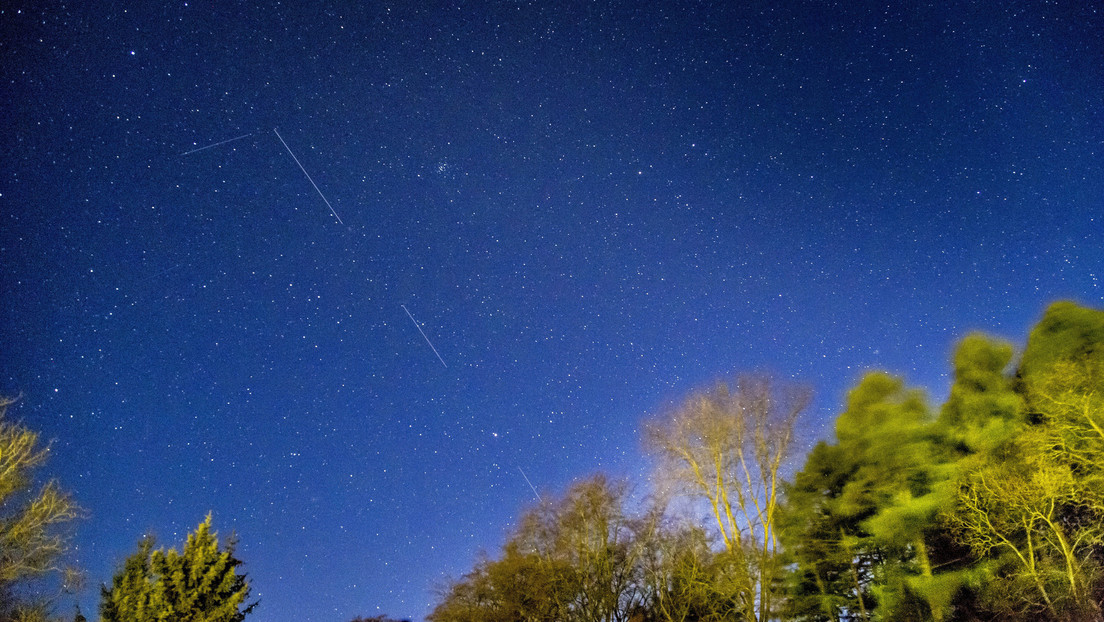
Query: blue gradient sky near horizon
{"points": [[589, 208]]}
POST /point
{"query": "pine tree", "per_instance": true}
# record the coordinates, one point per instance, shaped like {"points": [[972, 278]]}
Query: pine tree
{"points": [[201, 584], [861, 523]]}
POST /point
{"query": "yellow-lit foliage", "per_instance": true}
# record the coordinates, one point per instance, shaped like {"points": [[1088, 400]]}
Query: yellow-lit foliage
{"points": [[32, 541], [727, 446]]}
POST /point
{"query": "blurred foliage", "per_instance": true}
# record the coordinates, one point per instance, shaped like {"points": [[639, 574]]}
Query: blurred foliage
{"points": [[1067, 332], [989, 507], [991, 510]]}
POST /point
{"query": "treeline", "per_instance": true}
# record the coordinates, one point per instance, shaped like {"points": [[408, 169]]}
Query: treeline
{"points": [[988, 507]]}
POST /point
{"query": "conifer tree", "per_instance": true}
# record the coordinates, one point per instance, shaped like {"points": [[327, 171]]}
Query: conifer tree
{"points": [[200, 584], [861, 520]]}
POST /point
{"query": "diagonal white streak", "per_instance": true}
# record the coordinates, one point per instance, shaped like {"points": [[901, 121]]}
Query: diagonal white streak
{"points": [[308, 177], [531, 485], [221, 142], [424, 335]]}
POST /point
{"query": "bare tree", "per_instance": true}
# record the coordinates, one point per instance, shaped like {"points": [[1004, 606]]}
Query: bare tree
{"points": [[574, 559], [727, 446], [33, 539]]}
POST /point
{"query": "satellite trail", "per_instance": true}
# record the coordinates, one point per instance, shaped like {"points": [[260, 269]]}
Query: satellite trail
{"points": [[423, 334], [309, 179], [531, 485], [221, 142]]}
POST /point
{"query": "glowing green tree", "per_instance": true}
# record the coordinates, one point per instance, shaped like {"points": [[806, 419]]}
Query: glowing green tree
{"points": [[200, 584], [861, 525], [1031, 505]]}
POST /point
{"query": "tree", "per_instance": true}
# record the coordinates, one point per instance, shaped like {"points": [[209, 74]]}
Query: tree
{"points": [[862, 518], [847, 567], [1012, 510], [830, 555], [1068, 401], [727, 446], [1030, 502], [984, 410], [32, 536], [684, 578], [1067, 332], [201, 584], [575, 559]]}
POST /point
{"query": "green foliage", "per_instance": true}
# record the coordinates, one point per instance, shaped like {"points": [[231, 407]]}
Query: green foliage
{"points": [[983, 409], [201, 584], [1032, 507], [1066, 332], [860, 517], [992, 510], [882, 411], [830, 555]]}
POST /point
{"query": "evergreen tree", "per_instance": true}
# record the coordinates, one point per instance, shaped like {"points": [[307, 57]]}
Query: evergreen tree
{"points": [[830, 554], [861, 520], [201, 584], [983, 410], [1067, 332]]}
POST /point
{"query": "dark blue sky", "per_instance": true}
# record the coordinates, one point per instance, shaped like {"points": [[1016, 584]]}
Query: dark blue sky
{"points": [[589, 208]]}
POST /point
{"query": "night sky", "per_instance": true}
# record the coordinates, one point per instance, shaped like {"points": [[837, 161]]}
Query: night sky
{"points": [[590, 209]]}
